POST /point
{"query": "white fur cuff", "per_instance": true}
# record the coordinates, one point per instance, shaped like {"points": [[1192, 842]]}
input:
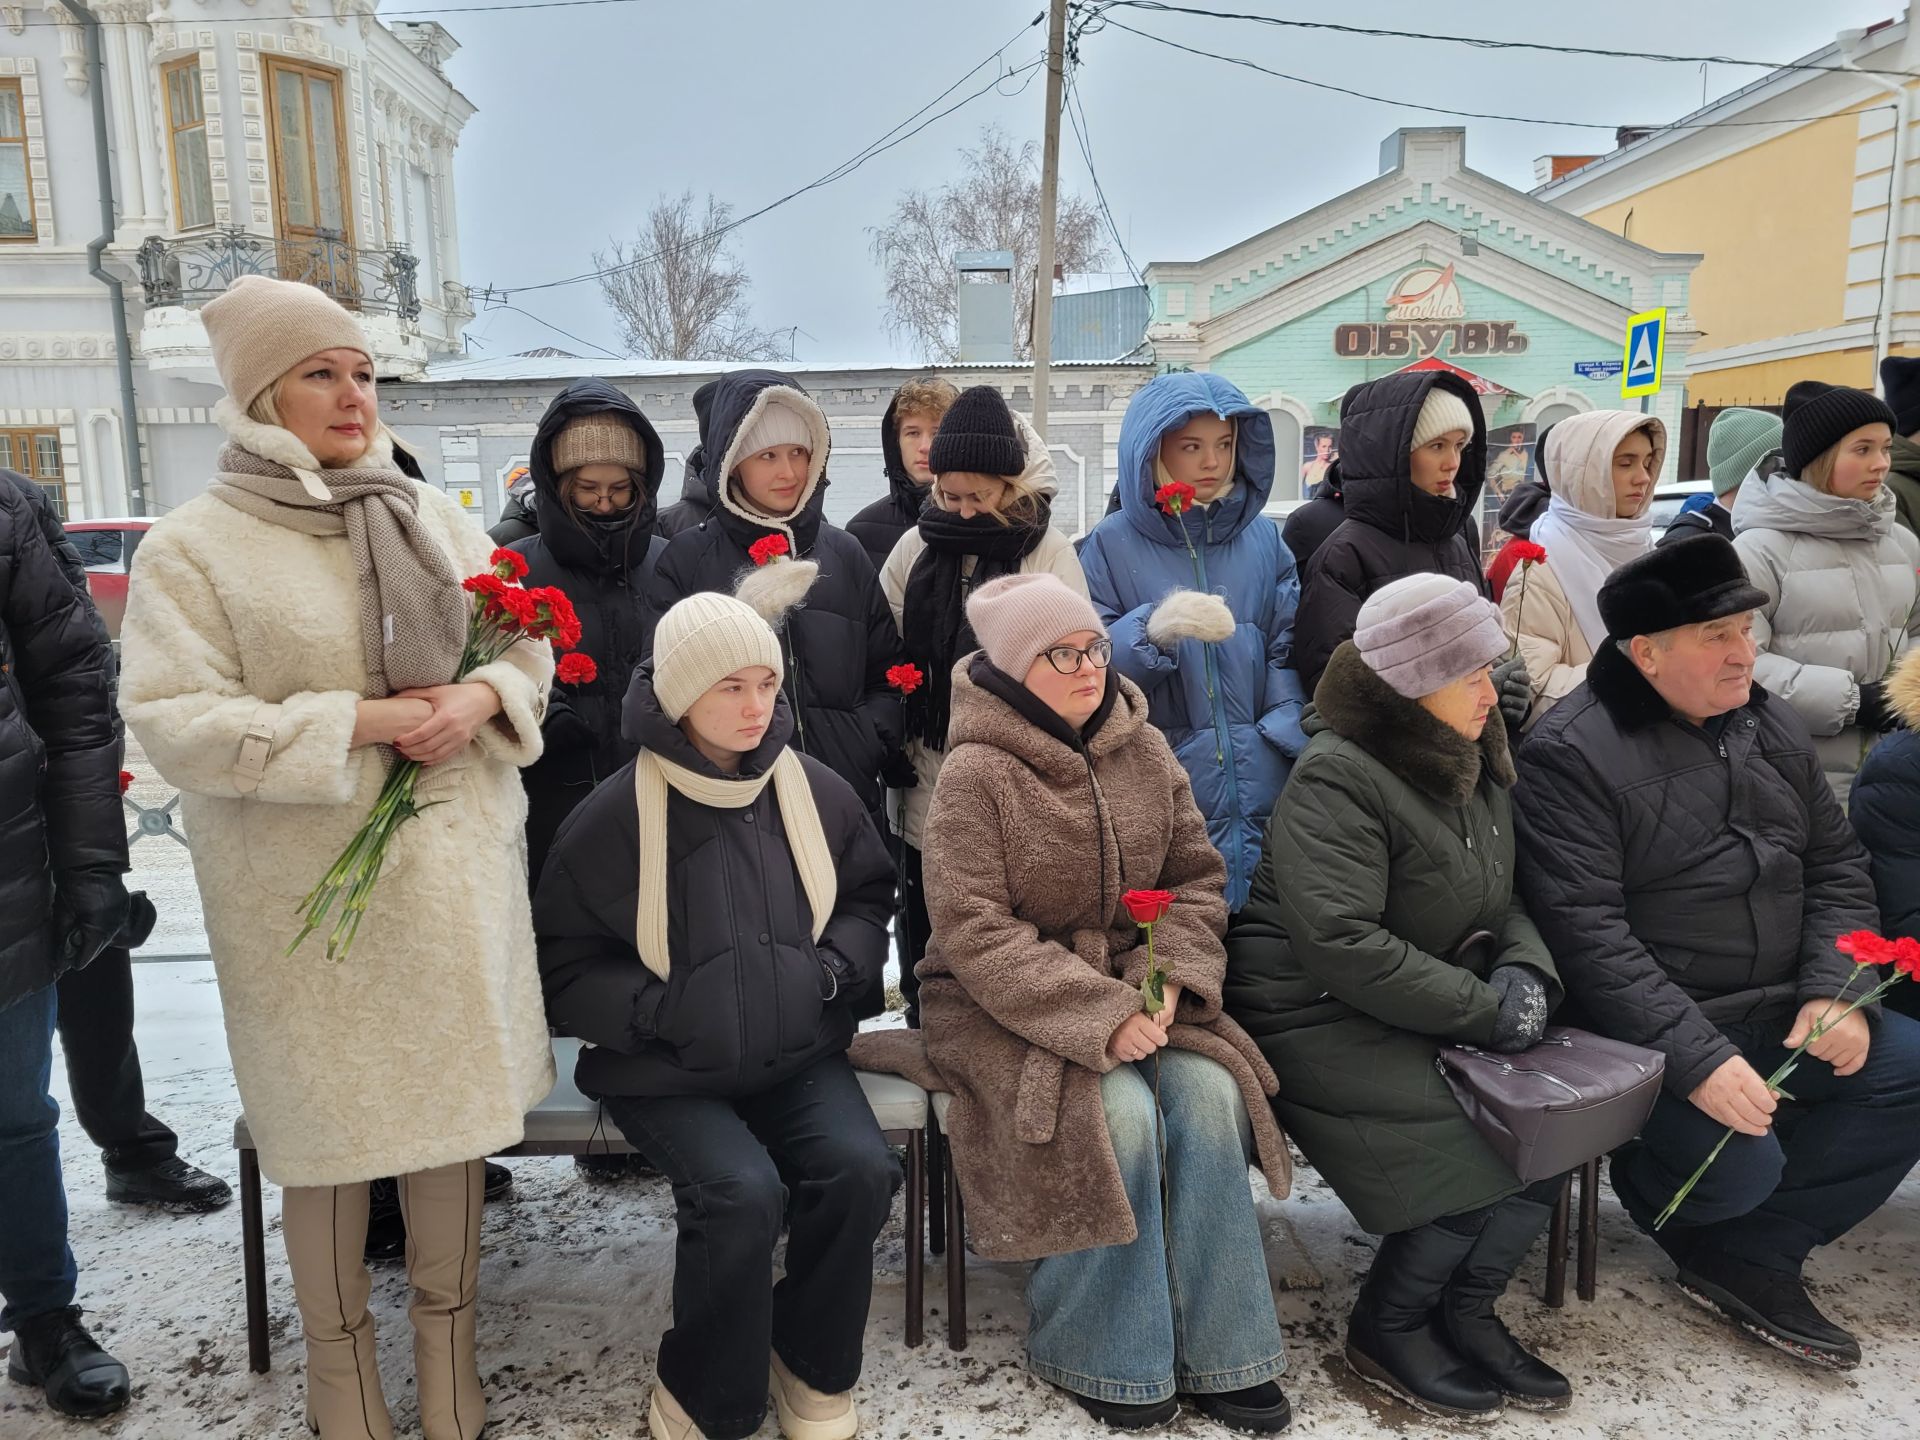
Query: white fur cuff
{"points": [[1189, 615], [777, 587]]}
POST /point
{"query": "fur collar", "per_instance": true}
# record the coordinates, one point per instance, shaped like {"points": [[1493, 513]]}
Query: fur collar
{"points": [[1426, 753], [802, 404], [1903, 689], [1616, 682], [283, 447]]}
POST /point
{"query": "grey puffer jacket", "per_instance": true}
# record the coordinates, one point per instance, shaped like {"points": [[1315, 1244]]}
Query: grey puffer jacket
{"points": [[1839, 576]]}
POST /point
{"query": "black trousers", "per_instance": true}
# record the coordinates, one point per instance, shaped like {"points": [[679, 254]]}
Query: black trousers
{"points": [[103, 1064], [807, 1152], [911, 928]]}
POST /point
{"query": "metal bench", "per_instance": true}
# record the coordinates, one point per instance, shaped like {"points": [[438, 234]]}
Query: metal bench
{"points": [[568, 1123]]}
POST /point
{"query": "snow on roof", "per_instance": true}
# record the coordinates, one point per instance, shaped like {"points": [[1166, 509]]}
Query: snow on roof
{"points": [[522, 367]]}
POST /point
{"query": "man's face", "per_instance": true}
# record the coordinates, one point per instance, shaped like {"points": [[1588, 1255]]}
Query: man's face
{"points": [[1700, 670], [916, 444]]}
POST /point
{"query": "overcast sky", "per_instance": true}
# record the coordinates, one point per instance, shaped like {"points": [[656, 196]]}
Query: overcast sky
{"points": [[586, 114]]}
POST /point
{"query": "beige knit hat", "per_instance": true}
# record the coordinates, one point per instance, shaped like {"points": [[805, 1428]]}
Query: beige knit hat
{"points": [[601, 438], [261, 328], [777, 424], [702, 640], [1442, 411], [1018, 616]]}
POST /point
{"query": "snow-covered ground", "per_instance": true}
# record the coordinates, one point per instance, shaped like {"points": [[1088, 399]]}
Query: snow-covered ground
{"points": [[575, 1289]]}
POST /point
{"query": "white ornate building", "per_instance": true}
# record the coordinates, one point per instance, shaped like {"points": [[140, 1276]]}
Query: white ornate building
{"points": [[300, 138]]}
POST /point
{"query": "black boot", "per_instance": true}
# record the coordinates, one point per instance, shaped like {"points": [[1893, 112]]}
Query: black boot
{"points": [[172, 1184], [386, 1227], [1472, 1323], [1256, 1410], [1119, 1415], [1771, 1305], [56, 1353], [1394, 1337]]}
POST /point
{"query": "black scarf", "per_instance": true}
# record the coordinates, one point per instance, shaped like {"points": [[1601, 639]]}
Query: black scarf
{"points": [[934, 628]]}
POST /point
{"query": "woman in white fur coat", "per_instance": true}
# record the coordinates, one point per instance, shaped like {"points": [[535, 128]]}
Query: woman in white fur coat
{"points": [[284, 631]]}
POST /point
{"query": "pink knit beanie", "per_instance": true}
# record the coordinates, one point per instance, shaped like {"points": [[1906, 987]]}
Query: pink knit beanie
{"points": [[1017, 617]]}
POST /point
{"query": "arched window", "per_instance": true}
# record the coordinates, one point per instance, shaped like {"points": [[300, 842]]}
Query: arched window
{"points": [[1286, 457]]}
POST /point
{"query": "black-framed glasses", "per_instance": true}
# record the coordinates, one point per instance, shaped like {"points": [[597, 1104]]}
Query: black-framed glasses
{"points": [[1066, 658]]}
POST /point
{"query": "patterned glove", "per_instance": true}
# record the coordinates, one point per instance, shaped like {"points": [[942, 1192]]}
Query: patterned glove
{"points": [[1523, 1008]]}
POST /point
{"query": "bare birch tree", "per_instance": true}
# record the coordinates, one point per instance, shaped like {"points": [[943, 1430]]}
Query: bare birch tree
{"points": [[994, 205], [677, 291]]}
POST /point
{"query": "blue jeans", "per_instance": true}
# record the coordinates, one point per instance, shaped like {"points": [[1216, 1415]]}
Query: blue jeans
{"points": [[1836, 1151], [36, 1264], [1186, 1306]]}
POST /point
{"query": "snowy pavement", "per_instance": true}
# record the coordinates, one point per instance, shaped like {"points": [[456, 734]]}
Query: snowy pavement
{"points": [[576, 1279]]}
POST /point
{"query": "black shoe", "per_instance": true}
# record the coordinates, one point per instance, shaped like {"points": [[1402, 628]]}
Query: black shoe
{"points": [[1257, 1410], [499, 1182], [171, 1184], [386, 1228], [1129, 1417], [1771, 1305], [1394, 1338], [602, 1169], [1472, 1324], [56, 1353]]}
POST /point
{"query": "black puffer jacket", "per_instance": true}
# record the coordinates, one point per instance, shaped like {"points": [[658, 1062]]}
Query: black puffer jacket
{"points": [[1308, 527], [1391, 530], [604, 568], [742, 1008], [880, 525], [840, 643], [60, 809], [695, 505], [519, 517], [1683, 879]]}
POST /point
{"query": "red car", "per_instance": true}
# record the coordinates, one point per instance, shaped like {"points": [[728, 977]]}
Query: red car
{"points": [[106, 548]]}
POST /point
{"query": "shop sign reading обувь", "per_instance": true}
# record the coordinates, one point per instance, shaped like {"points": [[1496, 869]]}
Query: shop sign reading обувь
{"points": [[1427, 318]]}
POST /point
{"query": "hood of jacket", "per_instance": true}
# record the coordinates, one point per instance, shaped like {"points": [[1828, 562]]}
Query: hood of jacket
{"points": [[733, 403], [646, 724], [1783, 503], [1377, 420], [1403, 735], [1903, 689], [574, 541], [1526, 504], [907, 493], [1166, 403], [1580, 457], [979, 717]]}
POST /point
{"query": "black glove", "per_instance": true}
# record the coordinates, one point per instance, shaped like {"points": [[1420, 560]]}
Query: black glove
{"points": [[91, 912], [565, 730], [897, 772], [1874, 713], [1515, 688], [1523, 1007]]}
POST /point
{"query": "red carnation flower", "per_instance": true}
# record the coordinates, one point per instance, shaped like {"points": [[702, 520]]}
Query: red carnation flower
{"points": [[1864, 947], [576, 669], [767, 548], [509, 564], [905, 678], [485, 583], [1906, 956], [1147, 906], [1525, 552], [126, 781], [1175, 496]]}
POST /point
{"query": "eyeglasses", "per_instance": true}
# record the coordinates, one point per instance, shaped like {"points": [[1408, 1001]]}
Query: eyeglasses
{"points": [[1066, 658]]}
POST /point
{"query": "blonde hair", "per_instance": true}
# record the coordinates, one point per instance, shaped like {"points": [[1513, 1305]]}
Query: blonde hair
{"points": [[928, 397], [1818, 472], [265, 410], [1019, 500]]}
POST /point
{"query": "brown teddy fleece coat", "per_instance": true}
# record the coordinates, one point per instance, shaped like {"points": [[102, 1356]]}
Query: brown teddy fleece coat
{"points": [[1034, 962]]}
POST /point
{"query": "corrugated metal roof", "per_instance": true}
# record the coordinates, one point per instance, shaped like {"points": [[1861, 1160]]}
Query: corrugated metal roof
{"points": [[1100, 325]]}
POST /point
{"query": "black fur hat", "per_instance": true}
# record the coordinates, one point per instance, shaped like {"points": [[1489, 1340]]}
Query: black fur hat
{"points": [[1699, 578]]}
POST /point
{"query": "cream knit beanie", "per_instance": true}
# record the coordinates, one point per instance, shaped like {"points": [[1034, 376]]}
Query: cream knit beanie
{"points": [[777, 424], [1017, 617], [261, 328], [702, 640], [1442, 411]]}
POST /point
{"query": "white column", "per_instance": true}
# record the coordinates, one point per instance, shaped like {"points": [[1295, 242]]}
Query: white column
{"points": [[129, 173]]}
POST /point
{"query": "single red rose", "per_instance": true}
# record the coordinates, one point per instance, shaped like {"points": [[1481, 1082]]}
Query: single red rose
{"points": [[509, 564], [1147, 906], [1175, 496], [576, 669], [767, 548], [126, 781], [905, 678], [1525, 552], [1865, 948]]}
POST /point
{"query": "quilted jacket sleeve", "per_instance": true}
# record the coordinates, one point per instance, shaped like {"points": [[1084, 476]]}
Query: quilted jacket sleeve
{"points": [[1570, 876], [1134, 655], [596, 987], [1884, 806], [1838, 881], [1286, 696], [1329, 609], [1827, 697]]}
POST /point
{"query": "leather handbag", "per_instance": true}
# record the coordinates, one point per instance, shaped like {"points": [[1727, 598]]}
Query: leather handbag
{"points": [[1553, 1107]]}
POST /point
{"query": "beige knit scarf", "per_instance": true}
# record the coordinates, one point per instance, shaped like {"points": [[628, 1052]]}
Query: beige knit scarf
{"points": [[800, 816], [413, 613]]}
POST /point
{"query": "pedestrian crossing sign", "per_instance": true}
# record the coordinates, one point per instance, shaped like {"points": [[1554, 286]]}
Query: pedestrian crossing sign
{"points": [[1646, 354]]}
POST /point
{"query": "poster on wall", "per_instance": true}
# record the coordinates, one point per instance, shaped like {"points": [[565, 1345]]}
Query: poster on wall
{"points": [[1319, 448], [1509, 460]]}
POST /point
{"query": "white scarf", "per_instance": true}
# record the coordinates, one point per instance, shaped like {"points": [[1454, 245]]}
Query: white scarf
{"points": [[1583, 551], [798, 814]]}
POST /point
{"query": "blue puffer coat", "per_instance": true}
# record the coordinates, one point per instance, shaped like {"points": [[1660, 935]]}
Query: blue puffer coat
{"points": [[1238, 748]]}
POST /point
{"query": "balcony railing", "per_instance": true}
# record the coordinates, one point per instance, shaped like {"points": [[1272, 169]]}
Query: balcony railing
{"points": [[196, 268]]}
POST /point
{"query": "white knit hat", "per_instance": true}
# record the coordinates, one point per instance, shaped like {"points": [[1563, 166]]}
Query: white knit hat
{"points": [[1423, 632], [702, 640], [261, 328], [777, 424], [1442, 411]]}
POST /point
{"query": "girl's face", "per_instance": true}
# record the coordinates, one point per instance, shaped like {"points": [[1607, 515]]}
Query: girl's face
{"points": [[1077, 693], [731, 718], [1436, 464], [1200, 452], [327, 402], [968, 495], [1860, 463], [601, 489], [1632, 475], [772, 480]]}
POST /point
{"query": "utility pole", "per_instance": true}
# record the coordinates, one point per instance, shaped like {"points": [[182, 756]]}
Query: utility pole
{"points": [[1042, 328]]}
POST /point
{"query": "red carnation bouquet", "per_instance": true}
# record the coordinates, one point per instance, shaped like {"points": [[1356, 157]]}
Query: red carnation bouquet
{"points": [[502, 614]]}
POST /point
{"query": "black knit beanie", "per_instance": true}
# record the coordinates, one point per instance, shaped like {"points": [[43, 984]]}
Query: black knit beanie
{"points": [[1900, 383], [977, 436], [1818, 416]]}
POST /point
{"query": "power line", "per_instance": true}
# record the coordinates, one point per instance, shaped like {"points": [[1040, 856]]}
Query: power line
{"points": [[577, 339], [1106, 20], [1077, 116], [1098, 7]]}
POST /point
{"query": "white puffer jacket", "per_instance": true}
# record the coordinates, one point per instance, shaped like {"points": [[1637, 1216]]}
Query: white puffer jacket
{"points": [[1841, 588]]}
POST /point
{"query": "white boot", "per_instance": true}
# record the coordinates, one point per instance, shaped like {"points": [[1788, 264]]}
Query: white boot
{"points": [[807, 1413], [667, 1421]]}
